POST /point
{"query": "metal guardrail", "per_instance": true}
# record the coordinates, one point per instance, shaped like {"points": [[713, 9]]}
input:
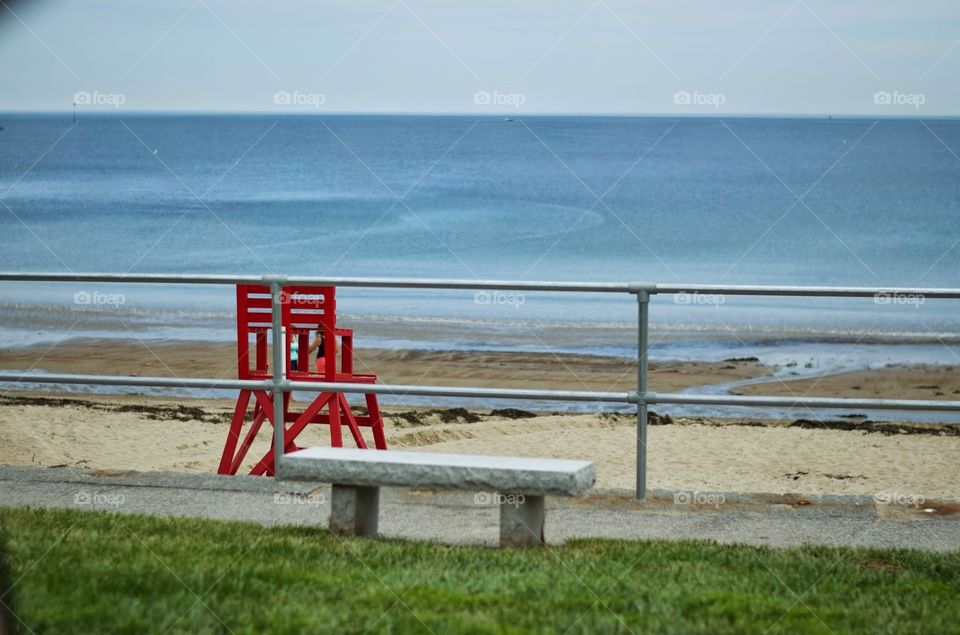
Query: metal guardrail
{"points": [[641, 397]]}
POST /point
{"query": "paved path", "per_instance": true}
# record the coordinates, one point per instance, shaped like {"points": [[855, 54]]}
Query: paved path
{"points": [[468, 518]]}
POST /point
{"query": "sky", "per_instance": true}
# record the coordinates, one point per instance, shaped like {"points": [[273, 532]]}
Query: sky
{"points": [[749, 57]]}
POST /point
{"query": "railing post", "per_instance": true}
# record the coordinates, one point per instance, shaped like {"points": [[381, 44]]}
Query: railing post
{"points": [[279, 375], [643, 323]]}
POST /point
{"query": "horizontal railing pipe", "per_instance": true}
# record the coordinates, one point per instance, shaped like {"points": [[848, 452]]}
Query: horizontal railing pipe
{"points": [[807, 291], [493, 285], [135, 278], [631, 397], [401, 283], [455, 391], [126, 380], [801, 402], [269, 385]]}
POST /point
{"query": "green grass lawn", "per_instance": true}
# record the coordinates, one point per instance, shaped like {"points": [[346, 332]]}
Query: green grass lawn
{"points": [[99, 572]]}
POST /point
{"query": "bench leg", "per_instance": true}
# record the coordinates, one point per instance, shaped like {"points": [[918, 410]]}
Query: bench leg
{"points": [[354, 510], [521, 521]]}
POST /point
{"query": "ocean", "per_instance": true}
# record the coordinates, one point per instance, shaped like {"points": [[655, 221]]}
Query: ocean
{"points": [[690, 200]]}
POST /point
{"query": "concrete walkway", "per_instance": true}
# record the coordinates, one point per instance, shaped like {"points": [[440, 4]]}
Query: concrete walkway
{"points": [[472, 518]]}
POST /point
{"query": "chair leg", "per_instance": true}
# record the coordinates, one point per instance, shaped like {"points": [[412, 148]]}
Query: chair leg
{"points": [[351, 422], [233, 434], [339, 413], [376, 421], [265, 465], [336, 433], [248, 441], [265, 401]]}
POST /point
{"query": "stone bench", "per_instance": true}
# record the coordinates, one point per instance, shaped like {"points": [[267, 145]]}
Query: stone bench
{"points": [[517, 484]]}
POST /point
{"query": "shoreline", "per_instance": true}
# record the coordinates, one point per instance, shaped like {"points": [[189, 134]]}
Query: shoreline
{"points": [[445, 368], [551, 327], [746, 375]]}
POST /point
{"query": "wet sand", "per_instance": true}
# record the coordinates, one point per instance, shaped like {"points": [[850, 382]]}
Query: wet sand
{"points": [[452, 368], [895, 382]]}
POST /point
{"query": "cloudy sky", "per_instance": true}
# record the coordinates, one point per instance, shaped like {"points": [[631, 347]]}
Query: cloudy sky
{"points": [[809, 57]]}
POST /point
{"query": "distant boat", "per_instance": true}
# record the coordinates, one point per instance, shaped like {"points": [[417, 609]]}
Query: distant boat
{"points": [[508, 120]]}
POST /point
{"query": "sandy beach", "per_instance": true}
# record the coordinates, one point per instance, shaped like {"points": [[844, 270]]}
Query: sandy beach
{"points": [[133, 432], [140, 433]]}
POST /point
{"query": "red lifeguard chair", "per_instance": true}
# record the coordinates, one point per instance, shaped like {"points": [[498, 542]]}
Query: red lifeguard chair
{"points": [[303, 310]]}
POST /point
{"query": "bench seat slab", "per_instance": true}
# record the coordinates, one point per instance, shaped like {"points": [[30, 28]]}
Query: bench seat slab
{"points": [[372, 468]]}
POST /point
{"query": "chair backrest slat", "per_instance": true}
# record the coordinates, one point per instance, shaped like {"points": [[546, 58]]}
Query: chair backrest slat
{"points": [[304, 309]]}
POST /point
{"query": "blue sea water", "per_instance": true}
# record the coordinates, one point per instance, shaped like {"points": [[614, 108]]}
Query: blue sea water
{"points": [[741, 200]]}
